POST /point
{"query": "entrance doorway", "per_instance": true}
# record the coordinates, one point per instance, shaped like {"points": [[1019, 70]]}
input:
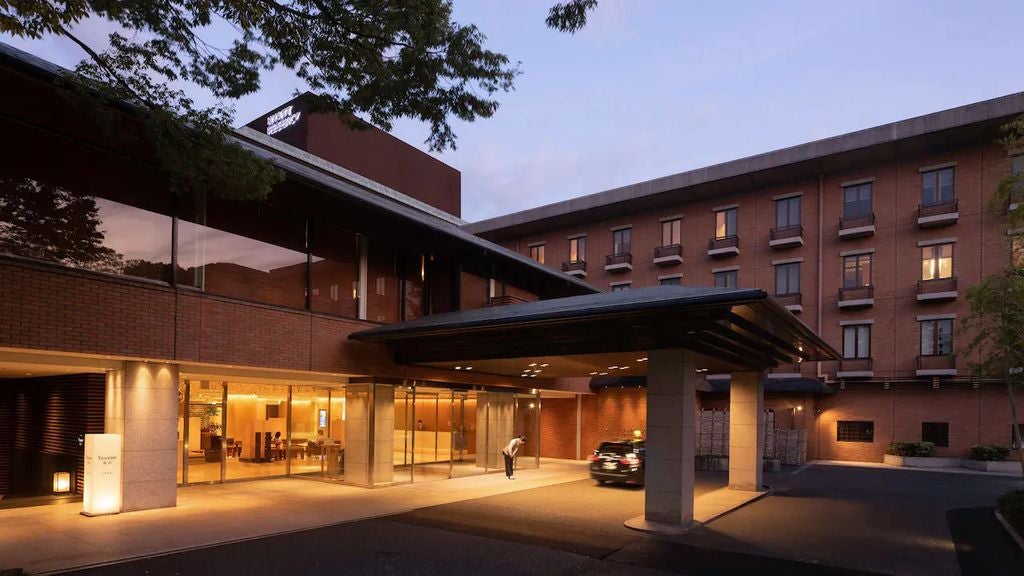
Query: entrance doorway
{"points": [[435, 433]]}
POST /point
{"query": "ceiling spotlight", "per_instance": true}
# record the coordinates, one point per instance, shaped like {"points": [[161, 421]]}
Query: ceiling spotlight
{"points": [[469, 367], [523, 375], [536, 371], [641, 359], [612, 367], [604, 373], [533, 375], [458, 367], [623, 367], [543, 365], [532, 364], [593, 373]]}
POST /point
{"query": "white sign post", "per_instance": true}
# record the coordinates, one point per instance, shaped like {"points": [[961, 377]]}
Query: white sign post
{"points": [[102, 493]]}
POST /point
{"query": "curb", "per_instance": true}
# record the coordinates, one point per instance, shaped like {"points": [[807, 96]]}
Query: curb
{"points": [[1009, 529]]}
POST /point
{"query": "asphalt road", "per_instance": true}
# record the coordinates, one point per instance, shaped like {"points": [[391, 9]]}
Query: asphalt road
{"points": [[822, 521]]}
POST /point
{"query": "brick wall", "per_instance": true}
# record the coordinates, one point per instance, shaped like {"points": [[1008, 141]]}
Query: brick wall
{"points": [[558, 428]]}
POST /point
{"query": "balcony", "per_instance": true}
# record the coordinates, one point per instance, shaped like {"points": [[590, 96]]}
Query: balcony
{"points": [[505, 300], [786, 237], [936, 290], [857, 227], [668, 255], [944, 365], [724, 247], [788, 370], [576, 268], [938, 214], [855, 368], [857, 297], [618, 262], [791, 302]]}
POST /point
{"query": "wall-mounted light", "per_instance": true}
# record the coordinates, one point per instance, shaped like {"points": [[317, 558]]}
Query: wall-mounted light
{"points": [[61, 482]]}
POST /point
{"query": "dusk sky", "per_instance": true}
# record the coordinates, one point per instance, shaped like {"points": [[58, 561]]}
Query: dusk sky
{"points": [[651, 88]]}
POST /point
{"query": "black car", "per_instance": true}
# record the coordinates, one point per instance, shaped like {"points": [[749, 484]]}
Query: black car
{"points": [[621, 461]]}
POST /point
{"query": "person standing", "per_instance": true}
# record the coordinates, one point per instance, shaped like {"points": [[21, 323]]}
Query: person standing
{"points": [[509, 452]]}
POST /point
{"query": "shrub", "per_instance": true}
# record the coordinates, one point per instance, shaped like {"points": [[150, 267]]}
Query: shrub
{"points": [[1011, 505], [989, 452], [919, 449]]}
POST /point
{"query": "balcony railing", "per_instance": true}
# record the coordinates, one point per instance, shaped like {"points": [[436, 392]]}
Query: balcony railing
{"points": [[668, 251], [786, 232], [617, 259], [505, 300], [727, 245], [788, 299], [856, 294], [936, 362], [575, 266], [937, 288], [938, 208], [855, 365], [857, 226]]}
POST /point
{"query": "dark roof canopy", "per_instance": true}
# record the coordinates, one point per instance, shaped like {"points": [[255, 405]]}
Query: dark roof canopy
{"points": [[738, 328]]}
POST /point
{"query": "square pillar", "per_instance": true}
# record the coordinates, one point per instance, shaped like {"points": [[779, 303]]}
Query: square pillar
{"points": [[746, 426], [142, 406], [494, 427], [369, 433], [671, 405]]}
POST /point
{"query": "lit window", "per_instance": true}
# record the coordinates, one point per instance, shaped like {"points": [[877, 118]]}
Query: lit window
{"points": [[537, 253], [671, 232], [727, 279], [857, 271], [578, 249], [937, 262], [937, 337], [855, 431], [725, 223], [857, 341]]}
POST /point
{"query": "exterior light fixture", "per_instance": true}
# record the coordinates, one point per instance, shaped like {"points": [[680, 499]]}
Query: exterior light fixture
{"points": [[799, 407], [61, 482]]}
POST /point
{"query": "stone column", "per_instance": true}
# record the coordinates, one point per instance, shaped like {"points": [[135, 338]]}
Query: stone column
{"points": [[369, 436], [142, 406], [746, 426], [671, 402]]}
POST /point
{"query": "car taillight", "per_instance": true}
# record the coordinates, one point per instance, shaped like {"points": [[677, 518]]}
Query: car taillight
{"points": [[630, 461], [593, 458]]}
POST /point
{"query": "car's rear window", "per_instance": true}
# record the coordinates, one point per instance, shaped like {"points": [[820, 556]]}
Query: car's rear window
{"points": [[613, 448]]}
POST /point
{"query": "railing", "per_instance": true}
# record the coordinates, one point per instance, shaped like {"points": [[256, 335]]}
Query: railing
{"points": [[783, 232], [938, 208], [788, 299], [936, 362], [857, 221], [574, 266], [667, 251], [856, 293], [726, 242], [855, 365], [936, 285], [613, 259], [505, 300]]}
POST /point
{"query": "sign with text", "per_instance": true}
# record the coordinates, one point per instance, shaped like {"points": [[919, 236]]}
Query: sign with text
{"points": [[283, 118], [102, 493]]}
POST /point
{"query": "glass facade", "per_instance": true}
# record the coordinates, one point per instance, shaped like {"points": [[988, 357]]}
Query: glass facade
{"points": [[334, 271]]}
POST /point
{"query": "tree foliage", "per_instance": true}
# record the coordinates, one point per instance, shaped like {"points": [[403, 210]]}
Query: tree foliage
{"points": [[374, 59]]}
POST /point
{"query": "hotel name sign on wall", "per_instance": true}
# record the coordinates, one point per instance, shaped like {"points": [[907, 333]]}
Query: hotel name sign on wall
{"points": [[283, 118]]}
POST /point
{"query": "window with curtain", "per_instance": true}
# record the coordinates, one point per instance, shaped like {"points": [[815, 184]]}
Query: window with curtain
{"points": [[936, 337], [725, 223], [578, 249], [621, 240], [857, 271], [857, 201], [726, 279], [787, 279], [937, 187], [937, 262], [671, 232], [857, 341], [537, 253], [787, 212]]}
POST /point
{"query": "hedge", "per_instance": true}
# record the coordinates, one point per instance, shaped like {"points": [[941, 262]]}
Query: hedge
{"points": [[989, 452], [919, 449], [1011, 505]]}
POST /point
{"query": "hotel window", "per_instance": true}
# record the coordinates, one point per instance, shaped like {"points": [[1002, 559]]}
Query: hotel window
{"points": [[937, 337], [855, 431], [857, 201], [621, 240], [857, 271], [857, 341], [787, 212], [537, 253], [935, 432], [725, 223], [620, 287], [726, 279], [937, 262], [671, 232], [937, 187], [787, 279], [578, 249], [677, 281]]}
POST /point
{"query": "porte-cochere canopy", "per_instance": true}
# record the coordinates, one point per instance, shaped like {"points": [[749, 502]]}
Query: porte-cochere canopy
{"points": [[730, 328]]}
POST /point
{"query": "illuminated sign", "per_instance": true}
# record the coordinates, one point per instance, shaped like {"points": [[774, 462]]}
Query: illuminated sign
{"points": [[102, 494], [323, 418], [282, 119]]}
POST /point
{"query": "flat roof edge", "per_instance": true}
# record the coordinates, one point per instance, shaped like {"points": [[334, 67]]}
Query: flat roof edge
{"points": [[977, 112]]}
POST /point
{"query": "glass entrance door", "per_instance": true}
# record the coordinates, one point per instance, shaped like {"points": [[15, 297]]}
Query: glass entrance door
{"points": [[204, 440]]}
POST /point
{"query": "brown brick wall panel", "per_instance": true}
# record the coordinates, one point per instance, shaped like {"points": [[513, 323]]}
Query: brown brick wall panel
{"points": [[558, 428]]}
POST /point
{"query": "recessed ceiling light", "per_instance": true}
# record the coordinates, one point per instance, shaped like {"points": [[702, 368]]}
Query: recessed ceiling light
{"points": [[532, 364], [523, 375], [612, 367], [545, 365], [623, 367], [458, 367], [604, 374], [533, 375], [469, 367]]}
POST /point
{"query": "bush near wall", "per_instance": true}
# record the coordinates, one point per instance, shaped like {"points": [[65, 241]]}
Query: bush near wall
{"points": [[1011, 506], [989, 453], [912, 449]]}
